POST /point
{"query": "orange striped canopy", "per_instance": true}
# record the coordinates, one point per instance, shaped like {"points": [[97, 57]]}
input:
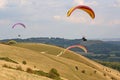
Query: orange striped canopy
{"points": [[84, 8]]}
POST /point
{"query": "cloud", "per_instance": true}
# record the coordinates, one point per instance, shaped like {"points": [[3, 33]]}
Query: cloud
{"points": [[9, 3], [114, 22], [15, 3], [3, 3], [74, 19], [57, 17], [79, 2], [5, 21], [23, 1], [116, 3], [82, 2], [45, 15], [29, 3]]}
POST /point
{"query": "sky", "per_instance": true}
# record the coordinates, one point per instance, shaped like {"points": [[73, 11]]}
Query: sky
{"points": [[47, 18]]}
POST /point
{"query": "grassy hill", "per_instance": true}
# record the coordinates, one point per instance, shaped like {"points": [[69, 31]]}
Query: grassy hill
{"points": [[11, 74], [43, 57], [102, 50]]}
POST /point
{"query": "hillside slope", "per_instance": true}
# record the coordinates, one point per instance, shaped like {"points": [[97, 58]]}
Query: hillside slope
{"points": [[95, 46], [70, 66], [10, 74]]}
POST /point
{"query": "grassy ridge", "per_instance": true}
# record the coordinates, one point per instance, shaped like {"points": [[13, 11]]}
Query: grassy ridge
{"points": [[54, 50], [41, 48], [66, 64]]}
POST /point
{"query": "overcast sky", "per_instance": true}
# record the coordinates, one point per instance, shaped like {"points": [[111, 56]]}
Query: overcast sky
{"points": [[47, 18]]}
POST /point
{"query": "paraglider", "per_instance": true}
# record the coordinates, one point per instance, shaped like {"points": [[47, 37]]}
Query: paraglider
{"points": [[84, 39], [84, 8], [73, 46], [18, 24], [19, 35]]}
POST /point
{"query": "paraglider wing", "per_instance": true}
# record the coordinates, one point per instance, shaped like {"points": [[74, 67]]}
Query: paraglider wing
{"points": [[79, 46], [84, 8], [73, 46], [19, 24]]}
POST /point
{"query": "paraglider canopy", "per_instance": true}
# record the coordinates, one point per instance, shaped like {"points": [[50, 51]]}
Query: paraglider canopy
{"points": [[18, 24], [84, 8], [73, 46]]}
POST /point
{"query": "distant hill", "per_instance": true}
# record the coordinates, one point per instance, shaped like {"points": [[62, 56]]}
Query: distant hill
{"points": [[55, 41], [111, 39], [114, 42], [95, 46]]}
